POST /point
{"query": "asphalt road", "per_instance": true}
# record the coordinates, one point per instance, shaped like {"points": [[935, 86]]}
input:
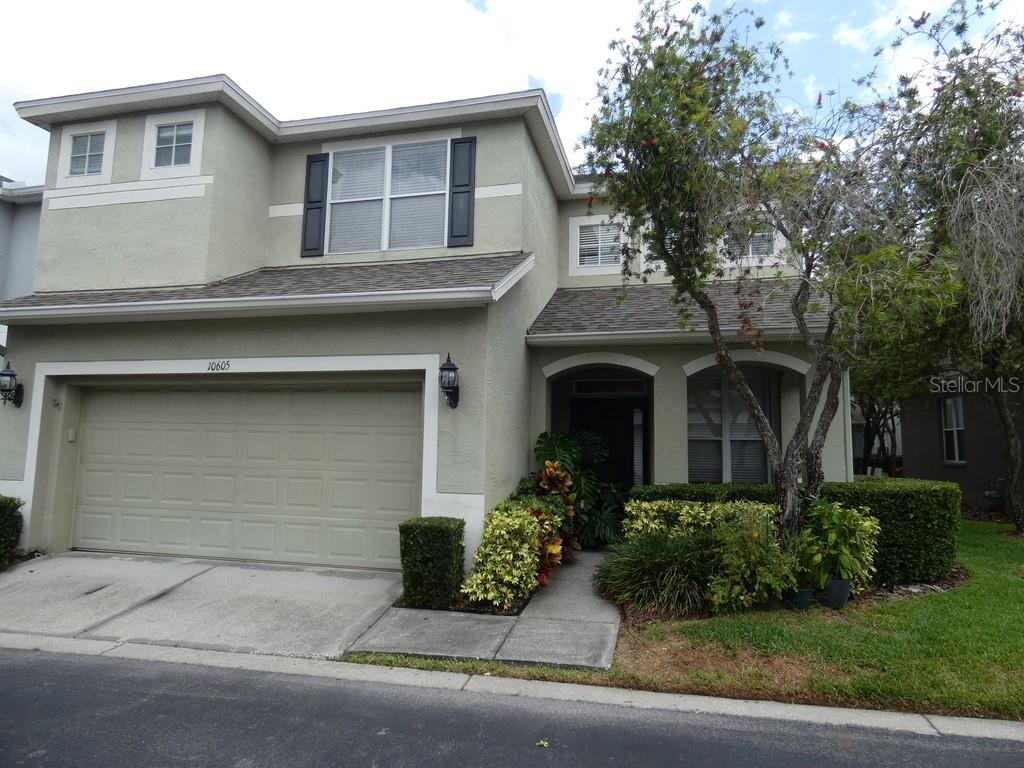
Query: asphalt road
{"points": [[86, 711]]}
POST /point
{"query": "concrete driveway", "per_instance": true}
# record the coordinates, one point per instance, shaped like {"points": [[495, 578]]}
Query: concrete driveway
{"points": [[282, 610]]}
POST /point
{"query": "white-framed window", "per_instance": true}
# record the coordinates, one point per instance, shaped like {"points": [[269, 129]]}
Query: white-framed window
{"points": [[595, 245], [723, 444], [952, 415], [173, 144], [756, 250], [389, 196], [86, 154]]}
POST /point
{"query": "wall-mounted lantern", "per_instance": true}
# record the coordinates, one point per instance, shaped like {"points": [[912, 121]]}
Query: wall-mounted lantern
{"points": [[448, 378], [10, 390]]}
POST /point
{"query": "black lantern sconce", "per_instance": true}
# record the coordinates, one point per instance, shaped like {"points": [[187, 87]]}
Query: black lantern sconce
{"points": [[448, 378], [10, 390]]}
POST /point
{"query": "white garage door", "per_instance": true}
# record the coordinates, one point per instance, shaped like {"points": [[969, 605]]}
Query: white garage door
{"points": [[293, 476]]}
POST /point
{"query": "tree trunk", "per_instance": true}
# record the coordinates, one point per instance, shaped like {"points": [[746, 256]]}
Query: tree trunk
{"points": [[815, 473], [1014, 457], [785, 466]]}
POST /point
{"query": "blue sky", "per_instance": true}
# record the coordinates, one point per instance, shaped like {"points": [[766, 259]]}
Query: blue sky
{"points": [[414, 52]]}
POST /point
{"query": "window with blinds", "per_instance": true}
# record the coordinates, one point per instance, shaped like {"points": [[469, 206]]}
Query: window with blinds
{"points": [[952, 410], [723, 442], [388, 197], [759, 246], [87, 154], [600, 245]]}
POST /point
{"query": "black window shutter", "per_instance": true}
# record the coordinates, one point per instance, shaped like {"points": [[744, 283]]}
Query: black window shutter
{"points": [[314, 207], [462, 188]]}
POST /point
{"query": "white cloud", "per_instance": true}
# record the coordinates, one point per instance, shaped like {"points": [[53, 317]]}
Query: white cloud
{"points": [[854, 37], [359, 59], [795, 38], [784, 19], [811, 88]]}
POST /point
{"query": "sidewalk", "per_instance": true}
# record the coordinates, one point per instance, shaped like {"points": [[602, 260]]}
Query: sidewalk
{"points": [[566, 624]]}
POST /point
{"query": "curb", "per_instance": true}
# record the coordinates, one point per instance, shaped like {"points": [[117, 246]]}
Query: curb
{"points": [[925, 725]]}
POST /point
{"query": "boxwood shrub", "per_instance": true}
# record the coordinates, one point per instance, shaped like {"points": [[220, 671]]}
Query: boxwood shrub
{"points": [[432, 555], [10, 525], [919, 518]]}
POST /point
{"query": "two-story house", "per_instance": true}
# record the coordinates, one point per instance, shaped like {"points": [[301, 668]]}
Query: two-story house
{"points": [[238, 323]]}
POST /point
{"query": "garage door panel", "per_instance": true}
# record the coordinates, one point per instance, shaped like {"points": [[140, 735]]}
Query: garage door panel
{"points": [[294, 476]]}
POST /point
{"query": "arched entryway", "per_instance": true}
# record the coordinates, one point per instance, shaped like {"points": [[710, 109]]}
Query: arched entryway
{"points": [[614, 402]]}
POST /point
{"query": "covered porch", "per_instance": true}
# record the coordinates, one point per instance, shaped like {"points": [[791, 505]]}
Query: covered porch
{"points": [[657, 396]]}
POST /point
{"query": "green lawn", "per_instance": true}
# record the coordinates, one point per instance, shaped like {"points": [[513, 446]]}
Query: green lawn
{"points": [[959, 652]]}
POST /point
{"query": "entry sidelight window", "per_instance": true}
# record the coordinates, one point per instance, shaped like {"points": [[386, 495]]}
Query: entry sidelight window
{"points": [[724, 445]]}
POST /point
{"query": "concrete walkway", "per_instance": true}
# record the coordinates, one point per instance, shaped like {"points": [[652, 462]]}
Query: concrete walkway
{"points": [[566, 624]]}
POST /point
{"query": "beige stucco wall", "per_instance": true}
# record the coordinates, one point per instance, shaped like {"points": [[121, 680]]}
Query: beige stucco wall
{"points": [[509, 441], [669, 404], [239, 160]]}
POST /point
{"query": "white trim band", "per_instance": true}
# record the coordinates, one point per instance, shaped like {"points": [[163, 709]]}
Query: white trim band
{"points": [[120, 198], [285, 209], [765, 357], [498, 190], [600, 358]]}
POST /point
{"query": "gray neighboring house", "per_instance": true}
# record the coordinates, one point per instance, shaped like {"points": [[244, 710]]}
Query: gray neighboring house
{"points": [[20, 207], [958, 437], [235, 339]]}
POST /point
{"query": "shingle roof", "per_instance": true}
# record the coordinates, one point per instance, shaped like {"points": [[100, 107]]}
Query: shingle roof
{"points": [[321, 279], [651, 308]]}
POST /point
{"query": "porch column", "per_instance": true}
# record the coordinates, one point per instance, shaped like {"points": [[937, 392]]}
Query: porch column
{"points": [[669, 426]]}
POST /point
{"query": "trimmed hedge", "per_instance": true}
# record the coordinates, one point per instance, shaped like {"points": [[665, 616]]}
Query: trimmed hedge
{"points": [[432, 556], [704, 492], [10, 525], [919, 518]]}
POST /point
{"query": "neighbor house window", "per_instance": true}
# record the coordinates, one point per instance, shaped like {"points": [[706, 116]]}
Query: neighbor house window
{"points": [[723, 443], [87, 153], [173, 145], [388, 197], [953, 429]]}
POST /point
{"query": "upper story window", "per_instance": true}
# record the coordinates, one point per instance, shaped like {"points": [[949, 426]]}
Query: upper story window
{"points": [[388, 197], [85, 156], [952, 414], [87, 153], [595, 246], [172, 145], [755, 250]]}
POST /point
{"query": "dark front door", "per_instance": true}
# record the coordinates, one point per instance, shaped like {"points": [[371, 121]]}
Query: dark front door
{"points": [[622, 424]]}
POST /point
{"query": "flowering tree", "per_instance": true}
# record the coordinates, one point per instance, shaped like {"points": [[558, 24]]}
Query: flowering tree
{"points": [[959, 128], [690, 148]]}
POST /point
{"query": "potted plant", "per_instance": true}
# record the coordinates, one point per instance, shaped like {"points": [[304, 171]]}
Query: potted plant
{"points": [[839, 548], [802, 550]]}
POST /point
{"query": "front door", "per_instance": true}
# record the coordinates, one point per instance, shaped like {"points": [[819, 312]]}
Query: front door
{"points": [[622, 424]]}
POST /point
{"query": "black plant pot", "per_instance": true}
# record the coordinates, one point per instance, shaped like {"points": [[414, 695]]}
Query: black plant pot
{"points": [[770, 603], [800, 599], [836, 594]]}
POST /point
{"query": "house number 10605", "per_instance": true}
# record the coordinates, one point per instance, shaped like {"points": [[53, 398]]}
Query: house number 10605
{"points": [[218, 366]]}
